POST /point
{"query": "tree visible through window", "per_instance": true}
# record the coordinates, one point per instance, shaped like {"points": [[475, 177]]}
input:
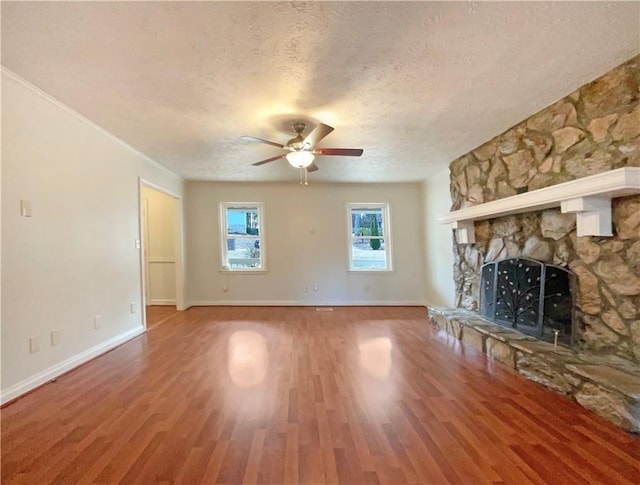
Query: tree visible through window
{"points": [[369, 237], [242, 236]]}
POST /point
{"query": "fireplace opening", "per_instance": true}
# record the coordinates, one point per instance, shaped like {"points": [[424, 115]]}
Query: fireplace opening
{"points": [[530, 296]]}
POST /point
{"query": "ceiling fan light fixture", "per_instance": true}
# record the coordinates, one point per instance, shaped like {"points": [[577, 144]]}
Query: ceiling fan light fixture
{"points": [[302, 149], [300, 159]]}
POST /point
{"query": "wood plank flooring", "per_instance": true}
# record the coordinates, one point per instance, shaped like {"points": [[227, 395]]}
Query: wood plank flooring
{"points": [[291, 395], [159, 313]]}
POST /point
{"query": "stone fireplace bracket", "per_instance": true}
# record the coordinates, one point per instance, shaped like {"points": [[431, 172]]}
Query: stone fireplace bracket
{"points": [[588, 197]]}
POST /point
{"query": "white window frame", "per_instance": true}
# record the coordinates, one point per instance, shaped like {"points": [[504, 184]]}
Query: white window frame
{"points": [[386, 236], [224, 258]]}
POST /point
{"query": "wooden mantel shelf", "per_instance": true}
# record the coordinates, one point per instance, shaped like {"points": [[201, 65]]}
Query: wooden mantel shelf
{"points": [[588, 197]]}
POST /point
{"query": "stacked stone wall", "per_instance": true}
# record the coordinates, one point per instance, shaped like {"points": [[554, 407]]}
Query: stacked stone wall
{"points": [[593, 130]]}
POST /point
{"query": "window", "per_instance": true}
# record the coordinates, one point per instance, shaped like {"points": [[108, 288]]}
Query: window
{"points": [[242, 233], [369, 242]]}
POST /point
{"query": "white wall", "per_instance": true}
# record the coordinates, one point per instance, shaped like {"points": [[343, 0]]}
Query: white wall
{"points": [[75, 257], [438, 242], [160, 243], [295, 256]]}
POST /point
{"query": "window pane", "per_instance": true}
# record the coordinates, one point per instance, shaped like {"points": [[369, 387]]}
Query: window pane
{"points": [[368, 253], [243, 221], [241, 237], [369, 249], [243, 252], [367, 222]]}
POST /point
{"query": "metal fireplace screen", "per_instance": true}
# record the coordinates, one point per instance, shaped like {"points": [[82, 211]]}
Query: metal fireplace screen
{"points": [[530, 296]]}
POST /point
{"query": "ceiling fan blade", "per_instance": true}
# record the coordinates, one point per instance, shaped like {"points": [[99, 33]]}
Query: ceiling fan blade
{"points": [[260, 140], [345, 152], [272, 159], [312, 168], [317, 134]]}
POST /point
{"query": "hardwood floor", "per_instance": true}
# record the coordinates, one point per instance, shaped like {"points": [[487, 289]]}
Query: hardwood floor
{"points": [[287, 395], [159, 314]]}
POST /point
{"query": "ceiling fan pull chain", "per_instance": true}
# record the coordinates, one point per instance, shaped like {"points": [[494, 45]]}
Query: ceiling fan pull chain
{"points": [[306, 182], [301, 175]]}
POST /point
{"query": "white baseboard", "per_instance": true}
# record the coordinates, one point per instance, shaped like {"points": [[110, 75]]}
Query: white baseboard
{"points": [[304, 303], [54, 371], [161, 302]]}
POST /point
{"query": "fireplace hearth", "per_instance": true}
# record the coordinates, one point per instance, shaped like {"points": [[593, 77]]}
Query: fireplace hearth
{"points": [[530, 296]]}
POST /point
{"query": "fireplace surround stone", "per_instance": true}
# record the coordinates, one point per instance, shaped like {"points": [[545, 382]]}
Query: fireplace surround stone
{"points": [[537, 153], [593, 130]]}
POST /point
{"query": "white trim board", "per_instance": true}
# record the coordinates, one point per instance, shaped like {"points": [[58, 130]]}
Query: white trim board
{"points": [[305, 303], [160, 302], [60, 368], [588, 197]]}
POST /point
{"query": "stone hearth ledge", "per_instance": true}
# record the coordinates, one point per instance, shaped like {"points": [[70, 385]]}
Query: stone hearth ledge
{"points": [[607, 385]]}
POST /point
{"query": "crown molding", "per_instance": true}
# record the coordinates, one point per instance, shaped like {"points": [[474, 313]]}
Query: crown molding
{"points": [[43, 94]]}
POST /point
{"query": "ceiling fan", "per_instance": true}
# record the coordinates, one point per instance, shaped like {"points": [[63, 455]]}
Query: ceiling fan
{"points": [[302, 150]]}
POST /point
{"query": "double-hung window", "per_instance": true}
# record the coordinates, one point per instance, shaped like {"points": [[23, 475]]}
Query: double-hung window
{"points": [[369, 237], [242, 234]]}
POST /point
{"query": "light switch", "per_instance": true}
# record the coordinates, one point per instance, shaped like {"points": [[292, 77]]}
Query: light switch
{"points": [[25, 208], [137, 243]]}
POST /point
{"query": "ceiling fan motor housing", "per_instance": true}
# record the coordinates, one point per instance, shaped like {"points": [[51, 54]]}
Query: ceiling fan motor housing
{"points": [[296, 142]]}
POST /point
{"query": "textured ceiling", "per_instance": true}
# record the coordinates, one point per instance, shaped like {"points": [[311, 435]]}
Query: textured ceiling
{"points": [[416, 84]]}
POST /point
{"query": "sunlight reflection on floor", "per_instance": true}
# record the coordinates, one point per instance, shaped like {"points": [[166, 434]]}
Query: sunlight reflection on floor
{"points": [[247, 358], [375, 356]]}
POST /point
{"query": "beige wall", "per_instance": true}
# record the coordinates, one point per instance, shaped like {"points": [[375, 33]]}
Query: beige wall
{"points": [[75, 257], [306, 244], [438, 244]]}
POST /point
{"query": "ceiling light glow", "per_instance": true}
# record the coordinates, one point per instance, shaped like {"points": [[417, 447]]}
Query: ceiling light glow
{"points": [[300, 159]]}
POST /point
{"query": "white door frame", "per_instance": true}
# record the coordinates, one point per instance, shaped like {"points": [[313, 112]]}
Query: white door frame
{"points": [[180, 296]]}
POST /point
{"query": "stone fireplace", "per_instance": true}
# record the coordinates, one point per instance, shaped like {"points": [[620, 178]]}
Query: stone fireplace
{"points": [[594, 130]]}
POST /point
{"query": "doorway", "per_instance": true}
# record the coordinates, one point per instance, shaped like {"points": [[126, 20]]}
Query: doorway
{"points": [[161, 243]]}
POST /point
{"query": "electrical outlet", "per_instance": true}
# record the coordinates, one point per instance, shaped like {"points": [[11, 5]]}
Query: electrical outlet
{"points": [[34, 344], [306, 288], [225, 288], [315, 287], [97, 323], [55, 337], [133, 307]]}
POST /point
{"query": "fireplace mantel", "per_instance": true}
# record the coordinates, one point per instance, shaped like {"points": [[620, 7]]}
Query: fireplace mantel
{"points": [[588, 197]]}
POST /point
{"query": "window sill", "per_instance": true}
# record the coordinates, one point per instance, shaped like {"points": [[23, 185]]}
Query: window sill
{"points": [[243, 271], [371, 271]]}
